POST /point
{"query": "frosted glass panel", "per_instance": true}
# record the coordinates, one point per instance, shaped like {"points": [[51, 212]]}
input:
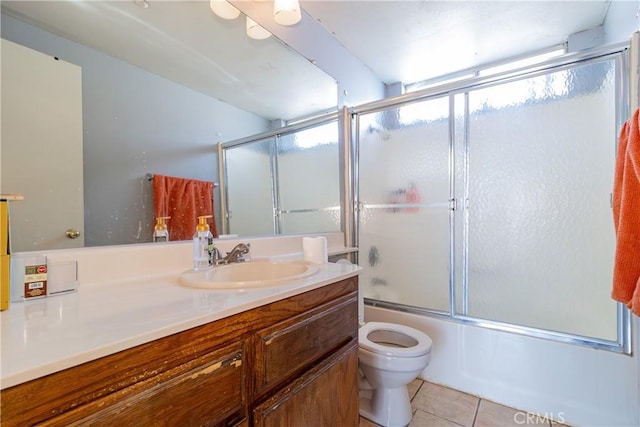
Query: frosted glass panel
{"points": [[405, 257], [295, 176], [311, 222], [404, 217], [249, 189], [405, 161], [541, 158], [308, 169]]}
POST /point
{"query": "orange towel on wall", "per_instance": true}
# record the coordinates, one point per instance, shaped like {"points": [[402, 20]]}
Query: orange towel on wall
{"points": [[626, 216], [183, 200]]}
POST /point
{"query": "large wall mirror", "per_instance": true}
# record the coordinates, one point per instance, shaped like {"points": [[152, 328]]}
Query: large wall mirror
{"points": [[159, 91]]}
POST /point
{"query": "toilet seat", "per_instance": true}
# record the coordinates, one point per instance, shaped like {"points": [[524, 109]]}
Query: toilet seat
{"points": [[399, 337]]}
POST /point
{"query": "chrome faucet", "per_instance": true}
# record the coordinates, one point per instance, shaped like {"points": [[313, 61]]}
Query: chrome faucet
{"points": [[236, 254]]}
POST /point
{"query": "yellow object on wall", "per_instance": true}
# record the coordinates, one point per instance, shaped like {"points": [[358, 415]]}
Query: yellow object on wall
{"points": [[5, 249], [5, 256], [5, 262]]}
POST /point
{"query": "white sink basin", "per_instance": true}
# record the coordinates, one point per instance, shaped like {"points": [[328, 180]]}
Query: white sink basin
{"points": [[248, 275]]}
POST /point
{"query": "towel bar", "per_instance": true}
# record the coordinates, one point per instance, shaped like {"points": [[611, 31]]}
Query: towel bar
{"points": [[149, 177]]}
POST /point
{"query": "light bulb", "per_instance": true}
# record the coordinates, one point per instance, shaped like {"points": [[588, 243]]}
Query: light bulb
{"points": [[286, 12], [224, 9], [255, 31]]}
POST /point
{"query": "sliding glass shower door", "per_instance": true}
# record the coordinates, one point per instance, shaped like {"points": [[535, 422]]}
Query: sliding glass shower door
{"points": [[249, 188], [540, 174], [309, 180], [490, 203], [283, 183], [404, 205]]}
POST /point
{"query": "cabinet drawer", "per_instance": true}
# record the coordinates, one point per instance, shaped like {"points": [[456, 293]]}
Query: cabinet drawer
{"points": [[286, 348], [209, 390], [324, 396]]}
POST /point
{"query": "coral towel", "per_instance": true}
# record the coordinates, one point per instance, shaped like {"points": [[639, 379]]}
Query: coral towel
{"points": [[183, 200], [626, 216]]}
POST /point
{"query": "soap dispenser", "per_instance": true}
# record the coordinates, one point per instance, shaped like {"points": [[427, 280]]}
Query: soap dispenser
{"points": [[160, 232], [202, 239]]}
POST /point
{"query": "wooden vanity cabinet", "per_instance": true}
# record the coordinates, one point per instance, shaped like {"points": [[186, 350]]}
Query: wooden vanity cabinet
{"points": [[208, 390], [291, 362]]}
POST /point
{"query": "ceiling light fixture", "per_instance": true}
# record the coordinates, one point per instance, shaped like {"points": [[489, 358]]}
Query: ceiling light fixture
{"points": [[255, 31], [286, 12], [224, 9], [142, 3]]}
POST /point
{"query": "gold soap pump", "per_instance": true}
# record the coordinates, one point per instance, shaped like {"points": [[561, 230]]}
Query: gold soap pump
{"points": [[202, 240], [160, 232]]}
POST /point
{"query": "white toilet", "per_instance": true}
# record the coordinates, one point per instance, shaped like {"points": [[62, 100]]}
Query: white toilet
{"points": [[390, 356]]}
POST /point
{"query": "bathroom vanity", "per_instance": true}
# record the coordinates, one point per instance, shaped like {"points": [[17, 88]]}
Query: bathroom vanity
{"points": [[278, 356]]}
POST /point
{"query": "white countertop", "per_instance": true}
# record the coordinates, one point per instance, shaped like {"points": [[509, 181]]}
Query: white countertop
{"points": [[47, 335]]}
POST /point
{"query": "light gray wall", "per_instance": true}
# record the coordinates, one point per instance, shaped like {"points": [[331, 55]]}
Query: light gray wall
{"points": [[136, 122], [356, 83], [622, 20]]}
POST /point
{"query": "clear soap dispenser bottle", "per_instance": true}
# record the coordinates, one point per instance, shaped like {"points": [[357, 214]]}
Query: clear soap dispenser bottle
{"points": [[160, 232], [202, 239]]}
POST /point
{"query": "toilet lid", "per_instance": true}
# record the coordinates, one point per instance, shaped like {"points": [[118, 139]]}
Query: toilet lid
{"points": [[394, 340]]}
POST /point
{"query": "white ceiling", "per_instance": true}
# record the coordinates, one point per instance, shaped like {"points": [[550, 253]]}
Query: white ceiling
{"points": [[410, 41], [399, 41]]}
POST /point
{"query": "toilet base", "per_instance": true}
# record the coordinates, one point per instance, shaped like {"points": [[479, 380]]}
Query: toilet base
{"points": [[389, 407]]}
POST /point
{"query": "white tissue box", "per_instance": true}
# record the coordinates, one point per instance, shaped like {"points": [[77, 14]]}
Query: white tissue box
{"points": [[63, 277]]}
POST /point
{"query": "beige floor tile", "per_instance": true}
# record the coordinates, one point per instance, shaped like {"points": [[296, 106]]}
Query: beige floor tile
{"points": [[425, 419], [491, 414], [366, 423], [446, 403], [413, 387]]}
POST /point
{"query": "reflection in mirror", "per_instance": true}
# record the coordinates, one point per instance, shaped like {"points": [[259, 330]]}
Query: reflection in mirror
{"points": [[249, 188], [37, 88], [285, 183], [308, 180], [135, 122]]}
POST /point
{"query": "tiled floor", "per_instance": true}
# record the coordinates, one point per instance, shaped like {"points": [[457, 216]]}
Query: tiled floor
{"points": [[437, 406]]}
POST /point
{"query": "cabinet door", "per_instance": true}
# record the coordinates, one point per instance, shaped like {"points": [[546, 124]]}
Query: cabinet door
{"points": [[289, 347], [326, 396], [208, 391]]}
